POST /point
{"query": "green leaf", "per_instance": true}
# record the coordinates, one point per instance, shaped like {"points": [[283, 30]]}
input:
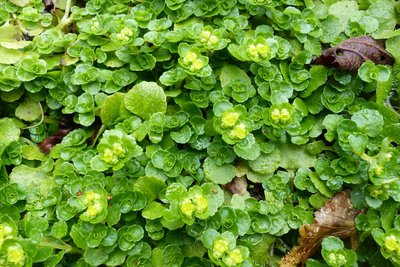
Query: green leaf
{"points": [[320, 185], [150, 186], [10, 56], [145, 99], [222, 174], [391, 46], [385, 12], [28, 110], [332, 243], [153, 210], [59, 229], [266, 163], [110, 109], [344, 10], [229, 73], [183, 135], [358, 142], [32, 152], [21, 3], [95, 256], [369, 121], [248, 149], [8, 131], [295, 157]]}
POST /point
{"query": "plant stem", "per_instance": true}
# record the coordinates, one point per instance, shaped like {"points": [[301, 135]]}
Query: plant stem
{"points": [[41, 120], [101, 130], [66, 248], [67, 10], [65, 20]]}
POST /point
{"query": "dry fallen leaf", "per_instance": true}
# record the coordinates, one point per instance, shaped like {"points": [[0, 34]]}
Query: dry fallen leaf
{"points": [[336, 218], [351, 53], [237, 186], [66, 125]]}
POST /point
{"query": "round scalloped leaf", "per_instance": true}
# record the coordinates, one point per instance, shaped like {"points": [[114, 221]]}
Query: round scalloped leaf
{"points": [[28, 110], [145, 99], [8, 131], [218, 174]]}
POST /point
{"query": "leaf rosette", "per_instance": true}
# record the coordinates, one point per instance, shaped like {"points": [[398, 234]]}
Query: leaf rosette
{"points": [[115, 149]]}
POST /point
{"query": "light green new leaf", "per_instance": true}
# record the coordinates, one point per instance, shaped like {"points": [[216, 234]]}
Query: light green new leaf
{"points": [[8, 131], [9, 56], [344, 10], [145, 99], [230, 73], [32, 177], [28, 110], [218, 174], [385, 12], [150, 186], [153, 210], [32, 152], [110, 109]]}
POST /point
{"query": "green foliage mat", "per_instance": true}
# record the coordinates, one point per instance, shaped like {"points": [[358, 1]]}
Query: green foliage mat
{"points": [[194, 133]]}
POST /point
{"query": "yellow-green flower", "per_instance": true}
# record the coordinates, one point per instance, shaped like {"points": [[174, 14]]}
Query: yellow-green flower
{"points": [[187, 207], [238, 132], [197, 65], [280, 115], [391, 243], [119, 150], [124, 35], [220, 247], [16, 255], [234, 258], [337, 259], [201, 203], [5, 232], [258, 51], [93, 210], [95, 26], [208, 38], [229, 118], [109, 157], [189, 57]]}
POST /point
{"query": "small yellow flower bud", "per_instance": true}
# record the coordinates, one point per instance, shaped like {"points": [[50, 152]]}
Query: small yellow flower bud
{"points": [[189, 58], [229, 118], [109, 157], [201, 203], [391, 243], [197, 64], [285, 115], [220, 247], [276, 115], [94, 210], [187, 207], [16, 255], [213, 40], [252, 50], [204, 36], [95, 26], [234, 258], [238, 132], [378, 170], [119, 150]]}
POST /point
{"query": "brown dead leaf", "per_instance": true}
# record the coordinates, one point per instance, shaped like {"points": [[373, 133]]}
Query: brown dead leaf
{"points": [[237, 186], [336, 218], [66, 125], [351, 53]]}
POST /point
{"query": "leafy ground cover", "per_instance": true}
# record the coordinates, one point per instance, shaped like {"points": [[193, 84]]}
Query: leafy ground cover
{"points": [[199, 133]]}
